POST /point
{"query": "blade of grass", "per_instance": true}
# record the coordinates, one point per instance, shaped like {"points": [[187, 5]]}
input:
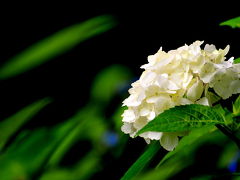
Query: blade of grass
{"points": [[142, 161], [55, 45], [10, 125]]}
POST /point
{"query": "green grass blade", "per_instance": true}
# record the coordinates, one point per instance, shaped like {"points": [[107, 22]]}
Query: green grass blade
{"points": [[142, 161], [10, 125], [234, 23], [55, 45]]}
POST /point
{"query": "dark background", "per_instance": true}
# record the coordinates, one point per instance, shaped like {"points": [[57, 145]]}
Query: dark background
{"points": [[142, 29]]}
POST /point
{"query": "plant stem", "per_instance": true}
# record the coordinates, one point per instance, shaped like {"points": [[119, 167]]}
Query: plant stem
{"points": [[225, 130]]}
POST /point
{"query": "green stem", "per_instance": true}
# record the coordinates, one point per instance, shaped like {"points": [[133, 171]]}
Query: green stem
{"points": [[225, 130]]}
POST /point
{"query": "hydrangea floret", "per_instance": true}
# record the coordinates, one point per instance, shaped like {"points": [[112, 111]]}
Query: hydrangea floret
{"points": [[187, 75]]}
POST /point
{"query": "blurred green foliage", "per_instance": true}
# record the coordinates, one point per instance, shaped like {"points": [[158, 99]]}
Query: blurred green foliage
{"points": [[234, 23], [38, 153], [55, 45], [10, 125], [142, 161]]}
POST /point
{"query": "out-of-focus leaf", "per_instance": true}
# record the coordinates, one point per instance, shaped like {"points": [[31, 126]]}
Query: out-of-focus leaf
{"points": [[188, 140], [230, 150], [184, 154], [236, 107], [82, 121], [234, 23], [45, 147], [117, 117], [31, 152], [236, 61], [184, 118], [10, 125], [172, 167], [109, 81], [85, 168], [55, 45], [142, 161]]}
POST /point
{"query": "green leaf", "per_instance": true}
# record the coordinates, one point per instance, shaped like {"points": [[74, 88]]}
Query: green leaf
{"points": [[234, 23], [236, 107], [84, 169], [187, 141], [168, 170], [31, 151], [229, 152], [55, 45], [184, 118], [236, 61], [10, 125], [80, 124], [185, 153], [142, 161]]}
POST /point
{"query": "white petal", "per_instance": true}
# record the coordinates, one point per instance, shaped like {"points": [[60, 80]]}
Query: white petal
{"points": [[226, 50], [144, 111], [152, 99], [203, 101], [147, 78], [195, 91], [185, 101], [209, 48], [207, 72], [140, 123], [169, 141], [235, 86], [151, 116], [127, 128], [151, 135], [128, 116]]}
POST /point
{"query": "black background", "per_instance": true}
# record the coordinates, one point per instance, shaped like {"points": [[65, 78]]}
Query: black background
{"points": [[142, 29]]}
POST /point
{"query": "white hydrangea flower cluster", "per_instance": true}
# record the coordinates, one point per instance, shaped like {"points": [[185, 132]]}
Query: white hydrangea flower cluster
{"points": [[178, 77]]}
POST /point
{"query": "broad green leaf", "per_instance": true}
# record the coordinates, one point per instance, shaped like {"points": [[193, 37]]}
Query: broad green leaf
{"points": [[184, 118], [10, 125], [236, 107], [236, 61], [108, 82], [55, 45], [234, 23], [142, 161]]}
